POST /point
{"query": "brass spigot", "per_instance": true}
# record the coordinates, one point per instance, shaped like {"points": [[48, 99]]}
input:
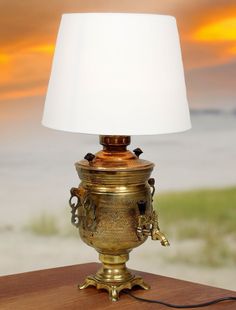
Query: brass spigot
{"points": [[156, 234], [149, 226]]}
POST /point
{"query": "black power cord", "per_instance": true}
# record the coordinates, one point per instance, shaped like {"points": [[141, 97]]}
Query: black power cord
{"points": [[204, 304]]}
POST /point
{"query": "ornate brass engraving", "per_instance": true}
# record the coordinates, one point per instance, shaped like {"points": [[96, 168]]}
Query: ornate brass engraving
{"points": [[87, 214]]}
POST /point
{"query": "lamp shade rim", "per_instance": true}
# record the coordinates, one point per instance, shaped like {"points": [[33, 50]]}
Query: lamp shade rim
{"points": [[120, 133]]}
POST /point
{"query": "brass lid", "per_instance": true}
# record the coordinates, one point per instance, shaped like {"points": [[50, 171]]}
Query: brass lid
{"points": [[114, 156]]}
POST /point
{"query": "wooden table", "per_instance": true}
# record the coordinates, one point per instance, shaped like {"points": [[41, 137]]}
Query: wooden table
{"points": [[57, 289]]}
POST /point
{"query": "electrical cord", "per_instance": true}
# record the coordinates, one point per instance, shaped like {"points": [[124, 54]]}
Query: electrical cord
{"points": [[204, 304]]}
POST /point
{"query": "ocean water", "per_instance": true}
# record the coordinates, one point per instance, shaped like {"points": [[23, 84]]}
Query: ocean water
{"points": [[37, 171]]}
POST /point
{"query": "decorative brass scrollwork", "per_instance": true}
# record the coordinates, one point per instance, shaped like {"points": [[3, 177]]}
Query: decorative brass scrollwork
{"points": [[83, 212], [74, 206], [151, 182]]}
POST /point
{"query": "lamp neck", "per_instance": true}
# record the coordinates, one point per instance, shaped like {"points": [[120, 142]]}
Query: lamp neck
{"points": [[114, 143]]}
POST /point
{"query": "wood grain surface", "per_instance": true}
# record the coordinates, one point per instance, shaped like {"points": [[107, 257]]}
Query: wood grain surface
{"points": [[57, 289]]}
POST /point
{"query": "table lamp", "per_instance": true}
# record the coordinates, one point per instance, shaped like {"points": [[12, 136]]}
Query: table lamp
{"points": [[116, 75]]}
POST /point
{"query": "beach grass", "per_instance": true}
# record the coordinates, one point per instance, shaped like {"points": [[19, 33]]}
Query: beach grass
{"points": [[43, 225], [207, 215], [195, 213]]}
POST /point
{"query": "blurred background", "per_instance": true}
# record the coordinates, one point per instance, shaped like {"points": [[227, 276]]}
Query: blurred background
{"points": [[195, 170]]}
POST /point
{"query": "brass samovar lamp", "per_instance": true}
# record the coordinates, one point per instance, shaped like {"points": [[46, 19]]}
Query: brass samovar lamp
{"points": [[116, 75]]}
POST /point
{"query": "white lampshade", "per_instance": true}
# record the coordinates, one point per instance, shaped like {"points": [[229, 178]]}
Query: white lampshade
{"points": [[117, 74]]}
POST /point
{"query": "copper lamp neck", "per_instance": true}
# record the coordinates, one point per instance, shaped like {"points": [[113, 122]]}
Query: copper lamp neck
{"points": [[114, 143]]}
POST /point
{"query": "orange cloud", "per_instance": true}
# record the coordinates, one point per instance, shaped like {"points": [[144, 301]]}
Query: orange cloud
{"points": [[32, 92], [221, 30], [232, 50], [23, 73], [47, 48], [211, 40], [4, 58]]}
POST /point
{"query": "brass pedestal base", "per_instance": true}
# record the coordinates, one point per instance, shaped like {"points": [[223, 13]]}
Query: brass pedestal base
{"points": [[114, 288], [114, 276]]}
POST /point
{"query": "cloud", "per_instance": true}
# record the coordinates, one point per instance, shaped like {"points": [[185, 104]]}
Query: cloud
{"points": [[24, 22], [25, 74], [207, 54], [221, 30], [212, 85]]}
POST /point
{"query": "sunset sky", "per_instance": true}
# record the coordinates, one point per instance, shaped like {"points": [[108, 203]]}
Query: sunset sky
{"points": [[207, 29]]}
